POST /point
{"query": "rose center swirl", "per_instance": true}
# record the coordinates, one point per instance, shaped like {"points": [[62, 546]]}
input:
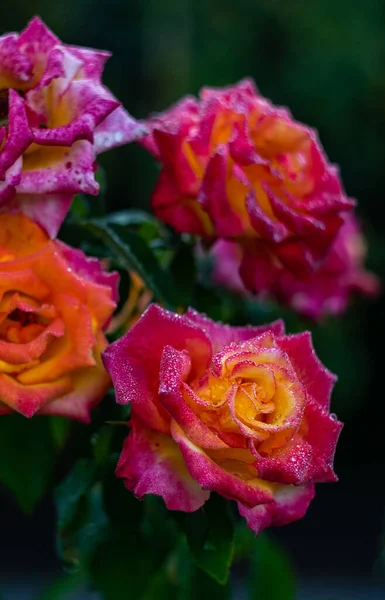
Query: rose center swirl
{"points": [[248, 400]]}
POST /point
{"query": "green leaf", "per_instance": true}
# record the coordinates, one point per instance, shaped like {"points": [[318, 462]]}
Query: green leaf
{"points": [[132, 217], [63, 586], [60, 427], [133, 253], [271, 576], [72, 489], [29, 448], [82, 521], [210, 536], [122, 567], [101, 443], [79, 208], [244, 541], [191, 582]]}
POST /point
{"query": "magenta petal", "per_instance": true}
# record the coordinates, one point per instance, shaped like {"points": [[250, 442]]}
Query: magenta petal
{"points": [[227, 256], [292, 465], [12, 179], [174, 369], [211, 476], [317, 379], [265, 226], [71, 174], [213, 197], [290, 504], [13, 62], [37, 39], [93, 61], [19, 134], [117, 129], [222, 335], [323, 431], [151, 463], [133, 361]]}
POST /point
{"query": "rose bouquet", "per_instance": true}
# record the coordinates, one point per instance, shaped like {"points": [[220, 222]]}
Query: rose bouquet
{"points": [[181, 429]]}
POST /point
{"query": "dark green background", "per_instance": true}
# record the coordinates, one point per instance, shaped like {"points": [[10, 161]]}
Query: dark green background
{"points": [[326, 61]]}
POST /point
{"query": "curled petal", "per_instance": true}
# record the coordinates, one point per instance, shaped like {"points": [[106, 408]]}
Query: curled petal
{"points": [[318, 380], [211, 476], [290, 504], [90, 268], [174, 367], [151, 463], [117, 129], [322, 431], [134, 360], [19, 134]]}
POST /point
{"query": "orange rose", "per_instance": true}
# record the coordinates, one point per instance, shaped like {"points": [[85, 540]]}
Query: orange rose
{"points": [[54, 304]]}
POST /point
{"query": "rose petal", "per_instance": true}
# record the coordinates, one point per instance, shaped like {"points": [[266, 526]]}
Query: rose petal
{"points": [[317, 379], [290, 504], [134, 360], [223, 335], [151, 463], [212, 477]]}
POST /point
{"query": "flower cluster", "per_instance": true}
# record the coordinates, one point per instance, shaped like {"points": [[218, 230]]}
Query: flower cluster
{"points": [[240, 411], [56, 116]]}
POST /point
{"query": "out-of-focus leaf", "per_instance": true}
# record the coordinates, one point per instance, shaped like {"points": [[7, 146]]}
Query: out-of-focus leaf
{"points": [[101, 442], [71, 490], [210, 537], [244, 540], [271, 576], [133, 253], [79, 208], [191, 582], [82, 521], [28, 450], [122, 567], [63, 586], [125, 512], [60, 427], [132, 217]]}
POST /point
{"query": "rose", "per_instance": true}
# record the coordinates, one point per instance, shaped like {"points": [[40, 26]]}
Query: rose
{"points": [[236, 167], [56, 116], [325, 291], [241, 411], [54, 304]]}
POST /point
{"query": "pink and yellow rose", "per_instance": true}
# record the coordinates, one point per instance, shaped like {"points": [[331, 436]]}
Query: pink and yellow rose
{"points": [[241, 411], [54, 304], [236, 167], [55, 117]]}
